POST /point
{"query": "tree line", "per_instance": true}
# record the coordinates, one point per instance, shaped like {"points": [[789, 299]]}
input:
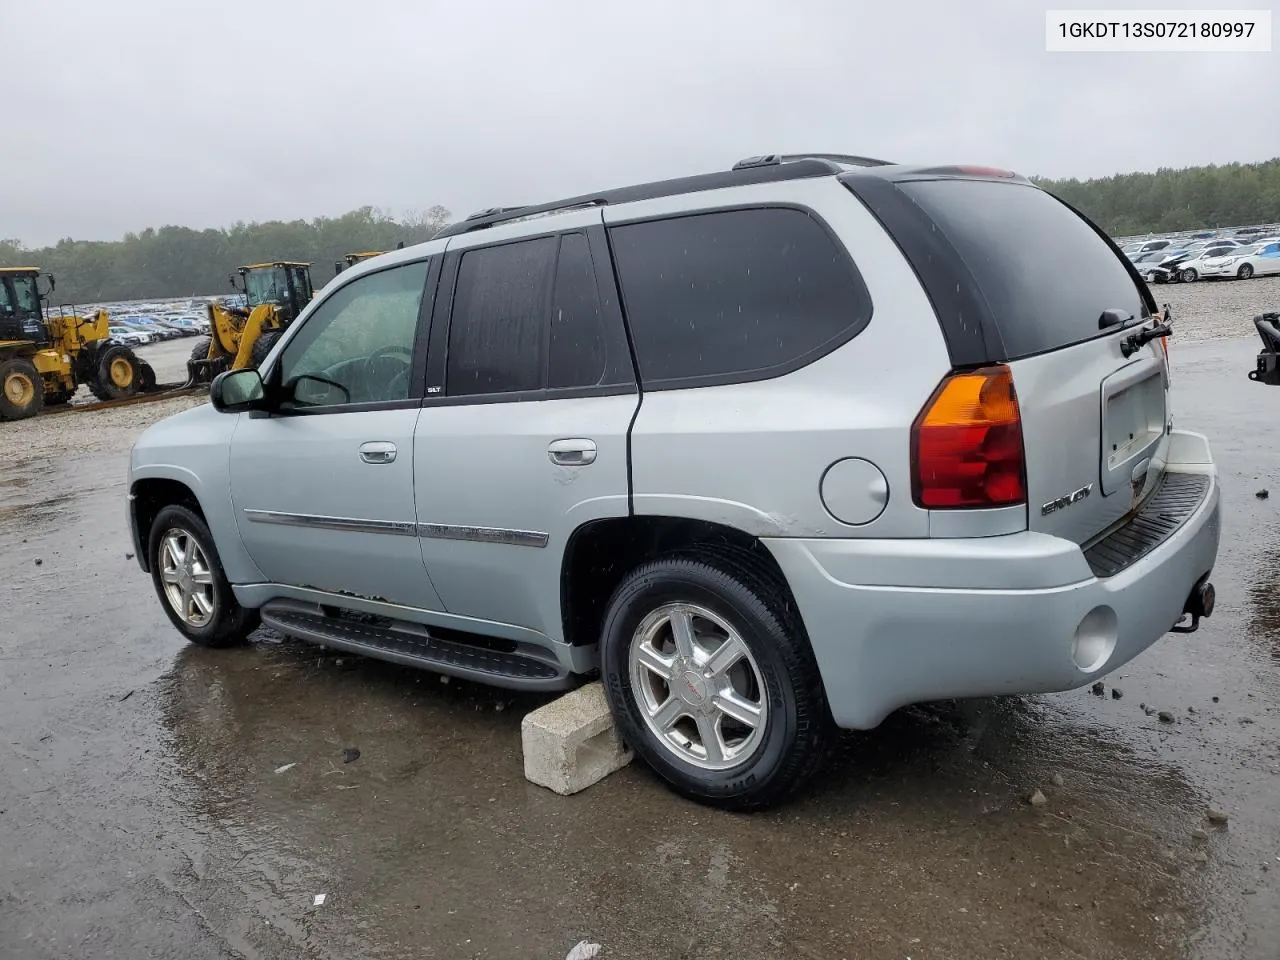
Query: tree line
{"points": [[178, 261], [1128, 204]]}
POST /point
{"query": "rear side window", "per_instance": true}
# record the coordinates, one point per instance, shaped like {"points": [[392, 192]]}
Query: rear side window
{"points": [[735, 294], [576, 353], [1044, 273], [499, 313]]}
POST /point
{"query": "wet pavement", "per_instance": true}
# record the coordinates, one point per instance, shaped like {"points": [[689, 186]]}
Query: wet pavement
{"points": [[160, 800]]}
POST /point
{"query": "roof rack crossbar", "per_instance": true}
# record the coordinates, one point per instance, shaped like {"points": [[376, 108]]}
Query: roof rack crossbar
{"points": [[764, 173]]}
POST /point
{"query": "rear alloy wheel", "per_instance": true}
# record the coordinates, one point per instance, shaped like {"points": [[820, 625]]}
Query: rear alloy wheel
{"points": [[21, 390], [1245, 271], [711, 681], [116, 375], [1189, 275], [189, 580]]}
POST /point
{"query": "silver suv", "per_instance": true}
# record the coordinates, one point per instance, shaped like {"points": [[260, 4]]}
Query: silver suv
{"points": [[772, 451]]}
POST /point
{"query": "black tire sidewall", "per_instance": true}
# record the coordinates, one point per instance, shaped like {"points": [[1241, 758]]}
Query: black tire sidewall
{"points": [[223, 629], [686, 582], [1245, 272]]}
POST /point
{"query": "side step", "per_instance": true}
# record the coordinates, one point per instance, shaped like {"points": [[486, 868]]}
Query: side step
{"points": [[499, 663]]}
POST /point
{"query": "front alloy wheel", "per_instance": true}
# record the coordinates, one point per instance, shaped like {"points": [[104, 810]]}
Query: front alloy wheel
{"points": [[187, 579]]}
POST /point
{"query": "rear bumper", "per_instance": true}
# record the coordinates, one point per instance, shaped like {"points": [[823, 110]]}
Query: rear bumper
{"points": [[900, 622]]}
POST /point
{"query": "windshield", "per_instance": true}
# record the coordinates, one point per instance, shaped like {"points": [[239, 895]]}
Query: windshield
{"points": [[269, 285]]}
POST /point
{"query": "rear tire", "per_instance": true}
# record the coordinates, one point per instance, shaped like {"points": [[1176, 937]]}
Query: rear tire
{"points": [[200, 604], [263, 346], [21, 389], [117, 374], [773, 674], [1245, 271], [146, 376], [206, 372]]}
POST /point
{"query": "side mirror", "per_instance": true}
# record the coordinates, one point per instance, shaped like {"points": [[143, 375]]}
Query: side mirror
{"points": [[231, 279], [236, 391]]}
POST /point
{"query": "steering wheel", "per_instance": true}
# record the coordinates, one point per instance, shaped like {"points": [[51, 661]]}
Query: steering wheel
{"points": [[387, 371]]}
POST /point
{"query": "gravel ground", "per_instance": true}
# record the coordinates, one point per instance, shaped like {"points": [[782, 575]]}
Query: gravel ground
{"points": [[1218, 309]]}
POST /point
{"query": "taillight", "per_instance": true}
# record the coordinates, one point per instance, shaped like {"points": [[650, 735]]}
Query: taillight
{"points": [[966, 444]]}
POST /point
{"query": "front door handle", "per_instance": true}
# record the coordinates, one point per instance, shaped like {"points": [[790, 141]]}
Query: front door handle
{"points": [[572, 453], [378, 451]]}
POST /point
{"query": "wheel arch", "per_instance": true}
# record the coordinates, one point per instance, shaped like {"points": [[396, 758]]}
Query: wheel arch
{"points": [[600, 553], [154, 486]]}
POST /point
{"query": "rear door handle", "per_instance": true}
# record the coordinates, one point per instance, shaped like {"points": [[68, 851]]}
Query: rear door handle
{"points": [[378, 451], [572, 453]]}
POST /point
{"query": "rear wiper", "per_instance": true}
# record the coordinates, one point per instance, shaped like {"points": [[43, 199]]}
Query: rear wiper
{"points": [[1136, 341], [1113, 318]]}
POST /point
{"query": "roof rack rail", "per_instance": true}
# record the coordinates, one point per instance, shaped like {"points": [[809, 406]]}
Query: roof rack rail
{"points": [[773, 159], [801, 168]]}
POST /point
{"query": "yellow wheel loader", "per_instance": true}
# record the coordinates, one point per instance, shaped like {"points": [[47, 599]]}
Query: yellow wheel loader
{"points": [[275, 293], [351, 259], [46, 355]]}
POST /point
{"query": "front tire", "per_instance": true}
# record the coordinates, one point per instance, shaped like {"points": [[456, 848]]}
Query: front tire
{"points": [[1189, 275], [190, 582], [1245, 271], [116, 375], [712, 682]]}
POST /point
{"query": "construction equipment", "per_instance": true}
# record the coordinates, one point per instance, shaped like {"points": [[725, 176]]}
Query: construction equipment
{"points": [[351, 259], [1267, 369], [45, 356], [275, 293]]}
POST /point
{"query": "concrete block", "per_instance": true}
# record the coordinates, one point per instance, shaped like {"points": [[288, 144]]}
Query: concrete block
{"points": [[571, 743]]}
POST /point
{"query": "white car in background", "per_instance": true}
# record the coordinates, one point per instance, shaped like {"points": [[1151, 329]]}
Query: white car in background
{"points": [[126, 336], [1244, 262]]}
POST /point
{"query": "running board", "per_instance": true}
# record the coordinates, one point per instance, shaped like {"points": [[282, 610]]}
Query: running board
{"points": [[498, 663]]}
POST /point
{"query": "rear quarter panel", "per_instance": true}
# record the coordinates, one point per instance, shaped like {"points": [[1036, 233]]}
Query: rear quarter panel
{"points": [[752, 455]]}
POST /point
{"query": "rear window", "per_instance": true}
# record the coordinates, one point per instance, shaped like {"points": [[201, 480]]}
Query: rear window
{"points": [[1045, 274]]}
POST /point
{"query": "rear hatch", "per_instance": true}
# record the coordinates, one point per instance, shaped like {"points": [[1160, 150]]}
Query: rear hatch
{"points": [[1038, 278]]}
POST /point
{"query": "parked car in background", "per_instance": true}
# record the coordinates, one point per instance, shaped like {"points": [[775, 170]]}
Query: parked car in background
{"points": [[1190, 267], [1245, 262], [1148, 265], [161, 330], [128, 337], [187, 326], [149, 334]]}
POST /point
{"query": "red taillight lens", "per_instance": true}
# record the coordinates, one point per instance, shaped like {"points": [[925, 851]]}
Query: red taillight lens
{"points": [[966, 445]]}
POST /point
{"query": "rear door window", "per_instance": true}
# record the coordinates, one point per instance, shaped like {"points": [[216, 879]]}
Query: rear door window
{"points": [[1045, 274], [499, 315], [735, 294]]}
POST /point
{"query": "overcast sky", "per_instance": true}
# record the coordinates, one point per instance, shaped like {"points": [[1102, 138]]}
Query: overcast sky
{"points": [[136, 113]]}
